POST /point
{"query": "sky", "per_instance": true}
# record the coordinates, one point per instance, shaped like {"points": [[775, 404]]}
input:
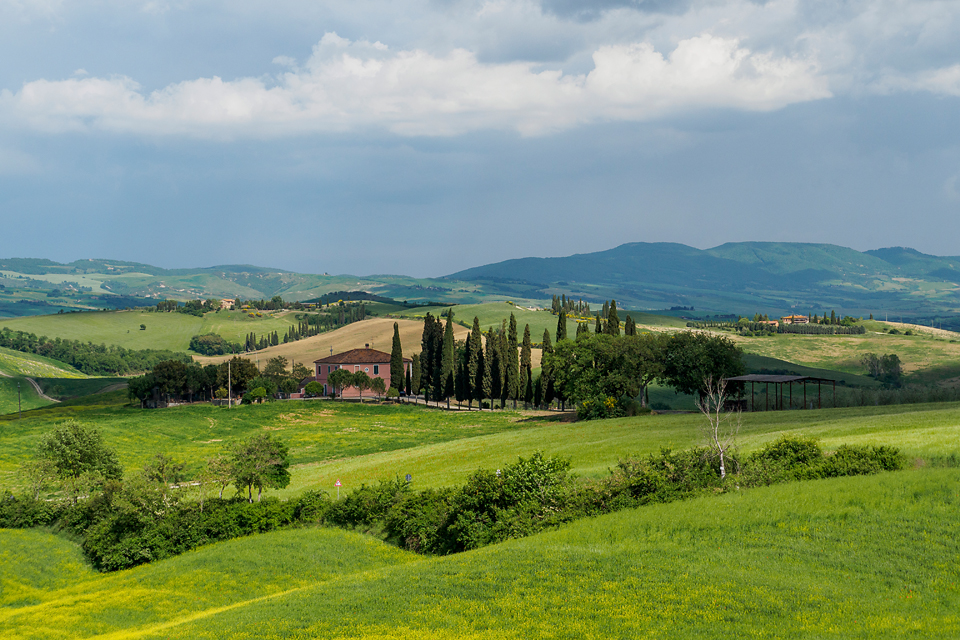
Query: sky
{"points": [[423, 137]]}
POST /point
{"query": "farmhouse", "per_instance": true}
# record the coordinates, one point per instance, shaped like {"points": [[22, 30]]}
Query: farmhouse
{"points": [[372, 362], [795, 320]]}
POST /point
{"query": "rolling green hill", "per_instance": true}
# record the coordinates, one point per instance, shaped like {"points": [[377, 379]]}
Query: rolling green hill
{"points": [[743, 278], [843, 558], [774, 278], [163, 330], [364, 444]]}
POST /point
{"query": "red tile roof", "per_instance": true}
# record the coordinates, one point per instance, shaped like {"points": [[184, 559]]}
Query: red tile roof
{"points": [[358, 356]]}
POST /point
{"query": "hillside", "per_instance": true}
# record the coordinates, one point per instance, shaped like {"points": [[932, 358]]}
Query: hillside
{"points": [[834, 558], [773, 278], [743, 278]]}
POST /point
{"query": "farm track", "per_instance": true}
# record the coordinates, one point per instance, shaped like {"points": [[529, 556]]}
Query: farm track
{"points": [[35, 386]]}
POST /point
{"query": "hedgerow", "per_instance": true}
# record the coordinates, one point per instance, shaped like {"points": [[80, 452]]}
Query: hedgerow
{"points": [[132, 523]]}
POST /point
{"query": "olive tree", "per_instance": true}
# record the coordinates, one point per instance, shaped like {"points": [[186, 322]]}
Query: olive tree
{"points": [[261, 462], [79, 456]]}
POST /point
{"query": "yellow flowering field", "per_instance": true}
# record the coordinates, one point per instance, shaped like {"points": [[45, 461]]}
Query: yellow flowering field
{"points": [[857, 557]]}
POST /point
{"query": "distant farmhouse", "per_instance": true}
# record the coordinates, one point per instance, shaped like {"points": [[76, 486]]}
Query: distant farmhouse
{"points": [[795, 320], [371, 361]]}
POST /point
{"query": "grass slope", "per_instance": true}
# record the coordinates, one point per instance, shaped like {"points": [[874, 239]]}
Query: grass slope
{"points": [[927, 357], [316, 431], [164, 330], [357, 444], [29, 399], [861, 557], [16, 363], [376, 332], [594, 447]]}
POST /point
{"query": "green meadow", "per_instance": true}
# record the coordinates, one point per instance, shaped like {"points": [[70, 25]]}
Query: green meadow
{"points": [[163, 330], [862, 557], [16, 367], [363, 444]]}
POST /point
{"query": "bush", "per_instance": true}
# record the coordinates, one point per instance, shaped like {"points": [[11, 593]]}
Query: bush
{"points": [[598, 408]]}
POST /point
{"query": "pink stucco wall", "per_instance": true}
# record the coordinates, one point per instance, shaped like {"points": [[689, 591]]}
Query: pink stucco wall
{"points": [[382, 371]]}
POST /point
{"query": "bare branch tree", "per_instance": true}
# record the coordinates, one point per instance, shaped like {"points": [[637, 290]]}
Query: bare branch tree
{"points": [[722, 426]]}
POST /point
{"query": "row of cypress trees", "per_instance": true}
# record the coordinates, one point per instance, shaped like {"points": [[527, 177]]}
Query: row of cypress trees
{"points": [[496, 365]]}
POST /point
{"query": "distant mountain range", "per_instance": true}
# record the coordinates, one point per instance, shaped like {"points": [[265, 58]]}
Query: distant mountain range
{"points": [[743, 277]]}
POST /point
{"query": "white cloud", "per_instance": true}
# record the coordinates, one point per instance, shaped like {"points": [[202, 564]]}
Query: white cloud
{"points": [[347, 85]]}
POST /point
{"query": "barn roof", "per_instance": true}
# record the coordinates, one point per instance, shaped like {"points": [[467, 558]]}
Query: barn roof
{"points": [[761, 377]]}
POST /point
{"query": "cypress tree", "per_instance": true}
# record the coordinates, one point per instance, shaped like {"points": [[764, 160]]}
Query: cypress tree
{"points": [[545, 381], [582, 328], [423, 380], [605, 311], [526, 366], [447, 360], [833, 317], [513, 362], [562, 326], [613, 320], [415, 376], [474, 375], [396, 360], [461, 355], [487, 384], [629, 327], [538, 392], [599, 328], [408, 381]]}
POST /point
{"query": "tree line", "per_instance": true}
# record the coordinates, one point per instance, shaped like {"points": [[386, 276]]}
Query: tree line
{"points": [[602, 372], [89, 358], [177, 381]]}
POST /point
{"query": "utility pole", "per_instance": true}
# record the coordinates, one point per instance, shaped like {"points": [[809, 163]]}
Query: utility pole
{"points": [[229, 388]]}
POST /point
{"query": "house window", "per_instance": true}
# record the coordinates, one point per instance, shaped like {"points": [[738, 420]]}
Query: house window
{"points": [[366, 369], [376, 369], [356, 368], [328, 368]]}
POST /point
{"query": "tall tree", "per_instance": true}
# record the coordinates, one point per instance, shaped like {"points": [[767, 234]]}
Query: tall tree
{"points": [[513, 362], [447, 364], [546, 379], [415, 375], [561, 325], [613, 320], [425, 379], [583, 328], [396, 360], [261, 462], [78, 456], [599, 327], [474, 373], [629, 327], [526, 366], [488, 361]]}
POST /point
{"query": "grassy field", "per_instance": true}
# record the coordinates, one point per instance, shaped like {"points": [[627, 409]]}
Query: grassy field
{"points": [[28, 396], [930, 356], [376, 332], [363, 444], [164, 330], [15, 363], [16, 367], [861, 557]]}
